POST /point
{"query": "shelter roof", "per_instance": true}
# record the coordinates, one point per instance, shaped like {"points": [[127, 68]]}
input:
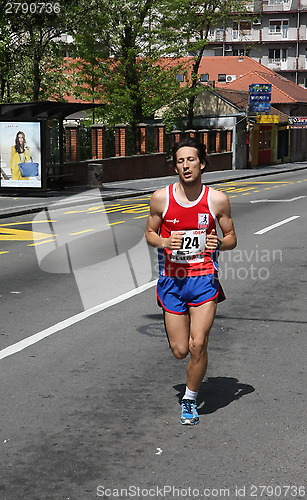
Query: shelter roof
{"points": [[44, 109]]}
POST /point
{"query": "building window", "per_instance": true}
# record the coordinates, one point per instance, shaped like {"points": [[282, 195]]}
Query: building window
{"points": [[245, 27], [180, 77], [241, 52], [279, 27], [211, 34], [241, 28], [221, 77], [276, 2], [219, 35], [204, 77], [277, 55]]}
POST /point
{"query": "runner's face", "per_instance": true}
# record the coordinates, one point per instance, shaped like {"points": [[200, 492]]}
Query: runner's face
{"points": [[188, 165]]}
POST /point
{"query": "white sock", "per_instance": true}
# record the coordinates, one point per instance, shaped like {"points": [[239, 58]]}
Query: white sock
{"points": [[190, 394]]}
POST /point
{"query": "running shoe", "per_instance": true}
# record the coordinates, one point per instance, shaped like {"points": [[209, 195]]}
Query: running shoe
{"points": [[189, 415]]}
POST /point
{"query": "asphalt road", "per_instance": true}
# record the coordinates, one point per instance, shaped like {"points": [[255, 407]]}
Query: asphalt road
{"points": [[91, 410]]}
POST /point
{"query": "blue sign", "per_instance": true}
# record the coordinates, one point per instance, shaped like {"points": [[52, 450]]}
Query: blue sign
{"points": [[260, 88], [260, 97], [260, 108]]}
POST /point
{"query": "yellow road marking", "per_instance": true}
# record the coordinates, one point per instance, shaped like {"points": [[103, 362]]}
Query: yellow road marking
{"points": [[27, 222], [137, 210], [7, 234], [40, 243], [141, 216], [240, 183], [119, 222], [81, 232], [6, 251]]}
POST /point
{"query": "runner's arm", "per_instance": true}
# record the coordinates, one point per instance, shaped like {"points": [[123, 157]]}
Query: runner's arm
{"points": [[154, 221], [222, 210]]}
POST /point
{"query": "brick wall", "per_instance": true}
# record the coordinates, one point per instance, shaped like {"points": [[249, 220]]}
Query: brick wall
{"points": [[97, 172]]}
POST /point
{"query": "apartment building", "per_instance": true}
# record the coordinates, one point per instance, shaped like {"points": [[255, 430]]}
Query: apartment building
{"points": [[276, 37]]}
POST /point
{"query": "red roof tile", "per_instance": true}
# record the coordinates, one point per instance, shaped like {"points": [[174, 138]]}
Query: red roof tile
{"points": [[240, 99], [246, 71], [283, 90]]}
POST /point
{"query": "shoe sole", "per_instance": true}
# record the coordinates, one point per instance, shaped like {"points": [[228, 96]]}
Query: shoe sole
{"points": [[189, 422]]}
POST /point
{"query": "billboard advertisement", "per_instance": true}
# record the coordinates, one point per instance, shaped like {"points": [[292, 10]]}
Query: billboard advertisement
{"points": [[20, 154]]}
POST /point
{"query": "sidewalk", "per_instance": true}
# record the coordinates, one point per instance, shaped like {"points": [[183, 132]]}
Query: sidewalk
{"points": [[14, 205]]}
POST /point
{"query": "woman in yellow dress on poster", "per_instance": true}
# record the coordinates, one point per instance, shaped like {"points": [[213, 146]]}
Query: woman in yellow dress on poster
{"points": [[19, 153]]}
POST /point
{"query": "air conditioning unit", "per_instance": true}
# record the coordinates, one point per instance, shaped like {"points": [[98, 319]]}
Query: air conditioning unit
{"points": [[228, 48], [256, 22], [230, 78]]}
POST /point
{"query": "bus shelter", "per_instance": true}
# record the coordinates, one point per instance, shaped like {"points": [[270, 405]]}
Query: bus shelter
{"points": [[25, 141]]}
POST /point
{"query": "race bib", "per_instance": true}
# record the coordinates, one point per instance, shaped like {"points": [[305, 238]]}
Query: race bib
{"points": [[192, 248]]}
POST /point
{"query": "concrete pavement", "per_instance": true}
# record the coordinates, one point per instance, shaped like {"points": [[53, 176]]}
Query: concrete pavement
{"points": [[12, 205]]}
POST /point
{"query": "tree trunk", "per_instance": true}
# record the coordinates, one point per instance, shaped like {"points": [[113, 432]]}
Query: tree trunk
{"points": [[193, 87], [36, 79]]}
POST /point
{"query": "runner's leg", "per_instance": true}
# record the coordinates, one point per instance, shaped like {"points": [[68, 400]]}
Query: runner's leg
{"points": [[201, 320], [177, 328]]}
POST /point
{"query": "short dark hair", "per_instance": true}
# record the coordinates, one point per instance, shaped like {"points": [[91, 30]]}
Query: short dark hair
{"points": [[191, 143]]}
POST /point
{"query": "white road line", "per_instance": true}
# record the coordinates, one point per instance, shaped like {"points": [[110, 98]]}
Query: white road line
{"points": [[266, 229], [279, 201], [33, 339]]}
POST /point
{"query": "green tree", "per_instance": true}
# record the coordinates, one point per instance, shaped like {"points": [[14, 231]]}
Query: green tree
{"points": [[32, 48], [187, 24], [121, 61]]}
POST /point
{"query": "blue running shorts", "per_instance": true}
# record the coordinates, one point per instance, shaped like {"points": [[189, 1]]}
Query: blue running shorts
{"points": [[175, 295]]}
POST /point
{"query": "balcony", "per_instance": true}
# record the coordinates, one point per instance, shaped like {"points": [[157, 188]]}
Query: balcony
{"points": [[277, 5], [216, 35], [279, 65]]}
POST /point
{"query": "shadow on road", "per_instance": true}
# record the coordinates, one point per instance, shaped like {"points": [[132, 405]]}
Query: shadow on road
{"points": [[217, 392]]}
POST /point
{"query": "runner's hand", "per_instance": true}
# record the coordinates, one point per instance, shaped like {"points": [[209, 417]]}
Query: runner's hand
{"points": [[174, 241], [212, 241]]}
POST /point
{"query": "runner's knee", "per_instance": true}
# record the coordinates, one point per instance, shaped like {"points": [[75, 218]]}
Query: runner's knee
{"points": [[179, 351], [198, 348]]}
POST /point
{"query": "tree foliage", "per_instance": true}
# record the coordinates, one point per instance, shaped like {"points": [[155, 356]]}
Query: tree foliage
{"points": [[31, 49], [116, 55], [187, 24], [132, 81]]}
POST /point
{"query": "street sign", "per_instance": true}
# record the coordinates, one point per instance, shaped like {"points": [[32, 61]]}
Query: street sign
{"points": [[298, 121], [259, 97], [267, 119], [260, 88], [259, 107]]}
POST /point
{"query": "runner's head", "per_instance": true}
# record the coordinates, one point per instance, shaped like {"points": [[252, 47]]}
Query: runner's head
{"points": [[191, 143]]}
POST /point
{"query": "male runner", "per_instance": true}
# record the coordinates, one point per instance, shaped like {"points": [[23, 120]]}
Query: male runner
{"points": [[182, 225]]}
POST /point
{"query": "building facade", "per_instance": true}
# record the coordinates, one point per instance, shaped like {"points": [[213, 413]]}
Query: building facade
{"points": [[276, 37]]}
